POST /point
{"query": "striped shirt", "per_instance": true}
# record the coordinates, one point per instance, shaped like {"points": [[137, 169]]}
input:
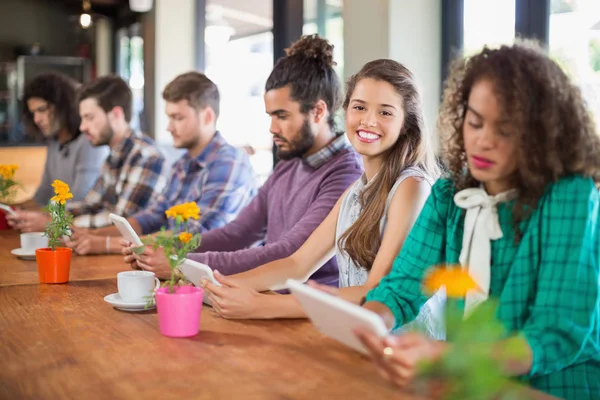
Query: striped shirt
{"points": [[133, 173], [220, 180]]}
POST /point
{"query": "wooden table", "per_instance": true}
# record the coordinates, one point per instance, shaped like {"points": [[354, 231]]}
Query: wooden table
{"points": [[64, 342]]}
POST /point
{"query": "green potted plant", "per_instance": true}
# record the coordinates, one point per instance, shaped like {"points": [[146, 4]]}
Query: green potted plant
{"points": [[178, 302], [54, 262], [468, 369]]}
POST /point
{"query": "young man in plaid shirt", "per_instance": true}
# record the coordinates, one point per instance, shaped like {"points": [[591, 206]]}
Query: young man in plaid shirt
{"points": [[134, 171], [212, 173]]}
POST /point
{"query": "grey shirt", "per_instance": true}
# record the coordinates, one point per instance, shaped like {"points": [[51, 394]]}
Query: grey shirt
{"points": [[430, 318], [77, 164]]}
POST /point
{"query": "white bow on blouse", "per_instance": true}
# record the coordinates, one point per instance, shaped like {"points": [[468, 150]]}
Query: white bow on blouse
{"points": [[481, 226]]}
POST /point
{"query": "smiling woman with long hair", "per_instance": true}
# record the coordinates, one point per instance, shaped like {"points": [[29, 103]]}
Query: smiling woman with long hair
{"points": [[368, 225]]}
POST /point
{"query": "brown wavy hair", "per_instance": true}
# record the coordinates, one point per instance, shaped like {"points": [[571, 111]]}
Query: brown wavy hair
{"points": [[555, 133], [412, 149]]}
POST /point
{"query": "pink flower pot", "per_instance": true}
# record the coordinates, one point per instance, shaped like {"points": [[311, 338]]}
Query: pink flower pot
{"points": [[179, 312]]}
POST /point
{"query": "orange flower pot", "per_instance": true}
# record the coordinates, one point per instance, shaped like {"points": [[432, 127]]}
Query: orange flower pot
{"points": [[54, 265]]}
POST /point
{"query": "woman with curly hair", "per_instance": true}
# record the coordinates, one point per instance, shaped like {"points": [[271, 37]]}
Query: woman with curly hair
{"points": [[519, 210], [50, 104]]}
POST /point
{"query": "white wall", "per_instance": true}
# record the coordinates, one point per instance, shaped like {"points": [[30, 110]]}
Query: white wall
{"points": [[416, 42], [104, 51], [408, 31], [174, 53], [366, 33]]}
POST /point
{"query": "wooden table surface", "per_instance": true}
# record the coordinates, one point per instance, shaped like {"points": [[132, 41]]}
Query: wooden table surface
{"points": [[17, 271], [64, 342]]}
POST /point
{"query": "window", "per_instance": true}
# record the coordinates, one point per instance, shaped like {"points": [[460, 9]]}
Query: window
{"points": [[487, 22], [325, 18], [575, 46], [239, 59]]}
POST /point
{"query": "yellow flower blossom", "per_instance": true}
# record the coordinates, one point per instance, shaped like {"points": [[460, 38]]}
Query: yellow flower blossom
{"points": [[62, 192], [456, 280], [7, 171], [185, 237], [185, 211]]}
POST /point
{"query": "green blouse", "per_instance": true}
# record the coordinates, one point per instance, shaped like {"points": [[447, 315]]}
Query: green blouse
{"points": [[548, 284]]}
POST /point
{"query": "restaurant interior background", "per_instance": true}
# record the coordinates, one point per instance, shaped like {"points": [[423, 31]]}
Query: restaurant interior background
{"points": [[235, 42]]}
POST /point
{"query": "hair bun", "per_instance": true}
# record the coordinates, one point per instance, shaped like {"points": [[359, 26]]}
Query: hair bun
{"points": [[313, 47]]}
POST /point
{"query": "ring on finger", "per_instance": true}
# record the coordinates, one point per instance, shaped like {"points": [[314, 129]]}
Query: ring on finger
{"points": [[388, 352]]}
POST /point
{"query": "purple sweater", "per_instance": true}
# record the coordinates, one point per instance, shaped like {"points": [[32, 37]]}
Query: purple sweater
{"points": [[288, 208]]}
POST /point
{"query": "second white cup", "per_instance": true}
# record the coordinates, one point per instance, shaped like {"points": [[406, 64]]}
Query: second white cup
{"points": [[32, 241], [137, 286]]}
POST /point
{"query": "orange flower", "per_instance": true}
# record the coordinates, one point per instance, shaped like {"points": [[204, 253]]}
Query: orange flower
{"points": [[62, 192], [185, 237], [7, 171], [185, 211], [456, 280]]}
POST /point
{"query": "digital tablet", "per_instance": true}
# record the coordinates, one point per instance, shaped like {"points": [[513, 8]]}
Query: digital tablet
{"points": [[195, 271], [9, 210], [125, 229], [335, 317]]}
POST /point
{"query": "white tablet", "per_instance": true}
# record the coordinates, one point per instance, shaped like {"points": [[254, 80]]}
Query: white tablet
{"points": [[195, 271], [9, 210], [335, 317], [126, 230]]}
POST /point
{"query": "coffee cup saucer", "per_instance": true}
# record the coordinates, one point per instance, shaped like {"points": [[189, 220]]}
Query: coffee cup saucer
{"points": [[23, 253], [117, 302]]}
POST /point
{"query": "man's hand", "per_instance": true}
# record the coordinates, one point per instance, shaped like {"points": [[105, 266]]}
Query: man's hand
{"points": [[28, 221]]}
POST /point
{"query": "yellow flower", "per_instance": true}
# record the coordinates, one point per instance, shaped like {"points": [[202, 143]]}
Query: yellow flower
{"points": [[185, 237], [456, 280], [62, 192], [7, 171], [185, 211]]}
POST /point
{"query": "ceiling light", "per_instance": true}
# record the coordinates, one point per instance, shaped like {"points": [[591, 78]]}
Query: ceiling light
{"points": [[85, 19]]}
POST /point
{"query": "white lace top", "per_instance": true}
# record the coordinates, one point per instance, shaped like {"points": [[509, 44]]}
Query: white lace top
{"points": [[353, 275]]}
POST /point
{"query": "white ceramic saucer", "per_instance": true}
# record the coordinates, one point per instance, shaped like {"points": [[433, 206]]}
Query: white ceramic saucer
{"points": [[24, 254], [116, 301]]}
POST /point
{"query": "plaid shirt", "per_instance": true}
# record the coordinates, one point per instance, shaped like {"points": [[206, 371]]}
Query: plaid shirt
{"points": [[547, 285], [132, 174], [220, 180], [319, 158]]}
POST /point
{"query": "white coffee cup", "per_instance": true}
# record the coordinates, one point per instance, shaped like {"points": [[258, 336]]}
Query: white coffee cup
{"points": [[136, 286], [33, 240]]}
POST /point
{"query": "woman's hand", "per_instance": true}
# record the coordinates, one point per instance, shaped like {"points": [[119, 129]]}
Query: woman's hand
{"points": [[397, 358], [232, 300]]}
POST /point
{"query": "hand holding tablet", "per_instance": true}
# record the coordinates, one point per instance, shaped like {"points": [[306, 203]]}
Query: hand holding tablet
{"points": [[335, 317]]}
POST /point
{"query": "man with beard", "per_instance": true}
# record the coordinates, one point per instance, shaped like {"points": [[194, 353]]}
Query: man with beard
{"points": [[212, 173], [317, 165], [51, 105], [132, 173]]}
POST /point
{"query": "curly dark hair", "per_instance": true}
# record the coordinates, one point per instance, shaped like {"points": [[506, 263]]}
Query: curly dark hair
{"points": [[555, 133], [60, 91]]}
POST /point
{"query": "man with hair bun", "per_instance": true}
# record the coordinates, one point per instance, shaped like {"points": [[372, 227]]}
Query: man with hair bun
{"points": [[317, 165]]}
